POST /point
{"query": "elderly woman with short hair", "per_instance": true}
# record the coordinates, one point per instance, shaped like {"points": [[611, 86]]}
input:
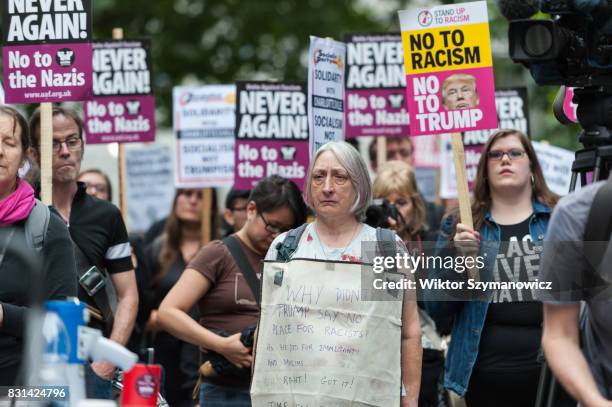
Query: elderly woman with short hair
{"points": [[339, 190]]}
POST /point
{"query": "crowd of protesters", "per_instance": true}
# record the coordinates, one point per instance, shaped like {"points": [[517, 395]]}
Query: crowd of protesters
{"points": [[195, 304]]}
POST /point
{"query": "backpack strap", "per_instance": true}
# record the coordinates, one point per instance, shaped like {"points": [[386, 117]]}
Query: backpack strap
{"points": [[37, 224], [286, 248], [387, 246], [599, 225], [231, 242]]}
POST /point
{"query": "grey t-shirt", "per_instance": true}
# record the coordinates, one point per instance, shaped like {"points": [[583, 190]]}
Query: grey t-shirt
{"points": [[311, 247], [565, 265]]}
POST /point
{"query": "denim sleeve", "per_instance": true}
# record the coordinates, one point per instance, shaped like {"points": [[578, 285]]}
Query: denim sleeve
{"points": [[435, 307]]}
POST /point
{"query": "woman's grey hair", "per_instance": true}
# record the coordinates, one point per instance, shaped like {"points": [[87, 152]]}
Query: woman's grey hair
{"points": [[350, 159]]}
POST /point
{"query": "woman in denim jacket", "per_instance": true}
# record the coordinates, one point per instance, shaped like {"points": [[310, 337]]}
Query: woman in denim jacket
{"points": [[492, 357]]}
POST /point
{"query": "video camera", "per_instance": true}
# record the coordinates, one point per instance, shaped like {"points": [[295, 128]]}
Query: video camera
{"points": [[574, 48]]}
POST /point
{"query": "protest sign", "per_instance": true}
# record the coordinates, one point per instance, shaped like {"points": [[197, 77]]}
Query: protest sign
{"points": [[204, 123], [150, 185], [512, 113], [449, 68], [448, 182], [271, 133], [123, 107], [320, 344], [425, 152], [375, 86], [427, 182], [47, 53], [326, 60], [556, 165]]}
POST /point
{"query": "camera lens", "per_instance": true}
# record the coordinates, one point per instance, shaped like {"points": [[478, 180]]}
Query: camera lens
{"points": [[538, 40]]}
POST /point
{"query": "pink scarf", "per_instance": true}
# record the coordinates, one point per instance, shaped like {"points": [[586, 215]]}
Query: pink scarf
{"points": [[18, 205]]}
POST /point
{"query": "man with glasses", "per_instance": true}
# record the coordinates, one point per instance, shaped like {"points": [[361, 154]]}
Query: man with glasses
{"points": [[100, 239], [234, 215]]}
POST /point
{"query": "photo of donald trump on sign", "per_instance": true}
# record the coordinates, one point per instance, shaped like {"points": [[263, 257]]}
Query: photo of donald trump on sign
{"points": [[459, 92]]}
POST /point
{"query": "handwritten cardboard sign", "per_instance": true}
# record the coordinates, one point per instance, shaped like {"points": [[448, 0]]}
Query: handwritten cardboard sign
{"points": [[319, 344]]}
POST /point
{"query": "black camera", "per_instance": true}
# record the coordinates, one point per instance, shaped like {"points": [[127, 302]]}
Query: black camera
{"points": [[574, 48], [378, 214], [223, 367]]}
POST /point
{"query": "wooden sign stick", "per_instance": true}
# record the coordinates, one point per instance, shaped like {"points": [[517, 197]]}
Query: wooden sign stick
{"points": [[381, 151], [122, 169], [463, 194], [46, 140]]}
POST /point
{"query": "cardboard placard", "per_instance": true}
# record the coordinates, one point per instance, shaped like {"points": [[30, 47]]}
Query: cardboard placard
{"points": [[449, 68], [326, 62], [375, 86], [204, 124], [271, 133], [123, 108], [47, 54]]}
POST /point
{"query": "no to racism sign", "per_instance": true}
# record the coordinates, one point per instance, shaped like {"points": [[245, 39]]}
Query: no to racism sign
{"points": [[47, 54], [271, 132], [123, 108], [375, 86], [449, 68]]}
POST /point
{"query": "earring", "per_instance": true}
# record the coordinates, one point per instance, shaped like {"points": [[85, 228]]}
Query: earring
{"points": [[532, 180]]}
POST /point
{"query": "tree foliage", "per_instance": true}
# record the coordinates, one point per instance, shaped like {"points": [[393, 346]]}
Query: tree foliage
{"points": [[221, 41]]}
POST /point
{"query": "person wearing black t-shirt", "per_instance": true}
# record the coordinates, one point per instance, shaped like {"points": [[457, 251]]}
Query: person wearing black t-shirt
{"points": [[97, 230], [510, 339], [492, 357]]}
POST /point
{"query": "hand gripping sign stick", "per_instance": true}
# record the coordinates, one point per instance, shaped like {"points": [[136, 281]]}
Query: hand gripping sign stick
{"points": [[118, 35], [465, 207]]}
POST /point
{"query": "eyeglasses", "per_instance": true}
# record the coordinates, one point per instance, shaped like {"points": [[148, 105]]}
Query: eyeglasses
{"points": [[498, 155], [337, 178], [72, 144], [271, 228]]}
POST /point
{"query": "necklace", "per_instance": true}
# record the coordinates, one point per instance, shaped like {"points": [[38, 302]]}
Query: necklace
{"points": [[328, 255]]}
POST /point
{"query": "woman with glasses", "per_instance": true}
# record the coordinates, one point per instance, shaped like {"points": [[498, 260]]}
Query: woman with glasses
{"points": [[98, 184], [492, 359], [219, 286], [339, 190]]}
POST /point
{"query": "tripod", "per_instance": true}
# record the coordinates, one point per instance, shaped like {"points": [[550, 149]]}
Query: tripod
{"points": [[595, 158]]}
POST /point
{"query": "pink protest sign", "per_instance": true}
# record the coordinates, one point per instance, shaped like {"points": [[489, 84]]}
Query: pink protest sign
{"points": [[375, 86], [271, 133], [123, 108], [449, 69], [47, 51]]}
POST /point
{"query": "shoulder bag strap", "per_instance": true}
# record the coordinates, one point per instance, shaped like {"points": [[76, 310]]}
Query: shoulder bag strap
{"points": [[245, 267]]}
